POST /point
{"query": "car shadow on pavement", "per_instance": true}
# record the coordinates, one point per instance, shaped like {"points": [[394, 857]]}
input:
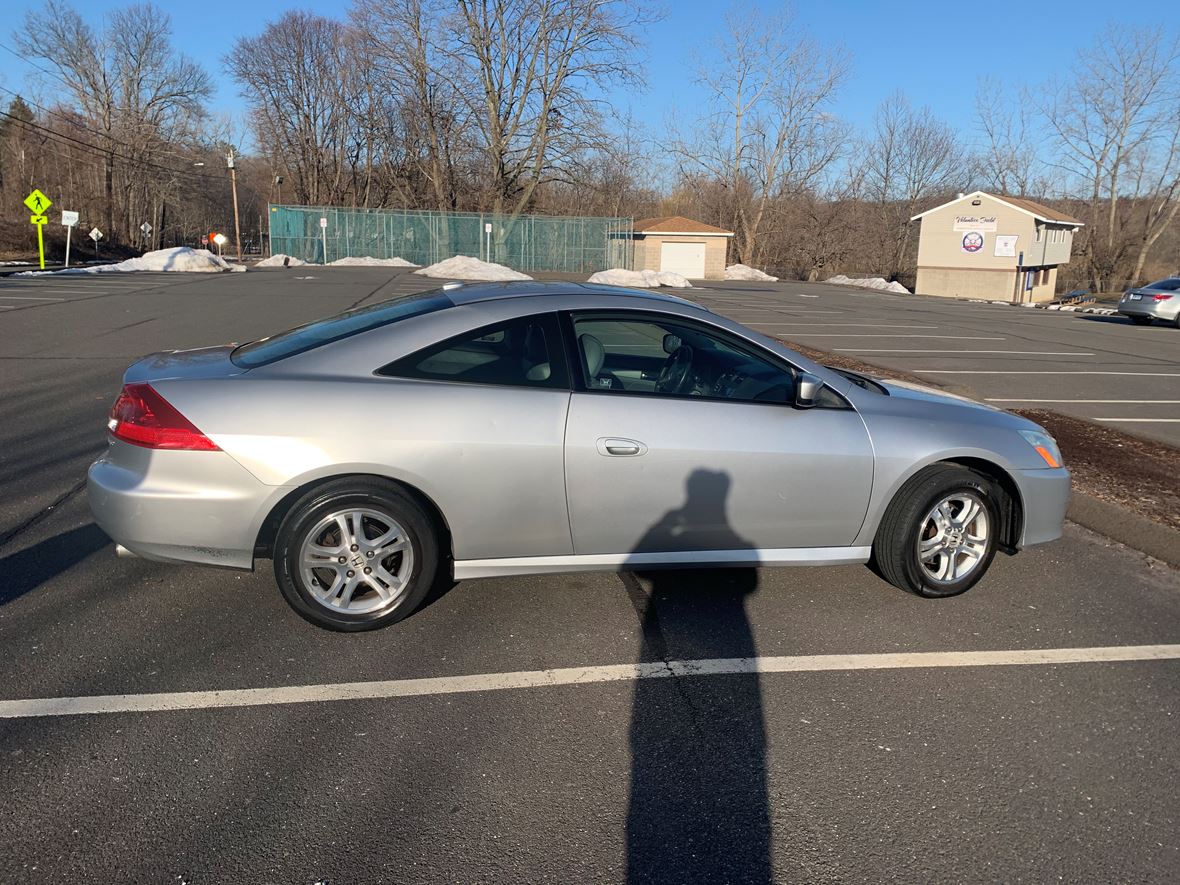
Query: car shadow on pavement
{"points": [[34, 566], [699, 806]]}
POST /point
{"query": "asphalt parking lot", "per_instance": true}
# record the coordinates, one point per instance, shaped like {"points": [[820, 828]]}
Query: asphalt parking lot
{"points": [[546, 729]]}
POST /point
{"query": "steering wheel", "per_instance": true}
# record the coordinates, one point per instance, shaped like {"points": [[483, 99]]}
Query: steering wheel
{"points": [[674, 374]]}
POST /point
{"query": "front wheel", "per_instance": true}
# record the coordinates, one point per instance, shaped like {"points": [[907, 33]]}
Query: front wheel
{"points": [[355, 555], [938, 536]]}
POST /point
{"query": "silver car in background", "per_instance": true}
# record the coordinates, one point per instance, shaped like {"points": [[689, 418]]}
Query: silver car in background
{"points": [[526, 428], [1156, 301]]}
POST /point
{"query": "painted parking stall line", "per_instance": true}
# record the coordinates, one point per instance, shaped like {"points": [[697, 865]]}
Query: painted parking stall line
{"points": [[1006, 352], [486, 682], [1042, 372]]}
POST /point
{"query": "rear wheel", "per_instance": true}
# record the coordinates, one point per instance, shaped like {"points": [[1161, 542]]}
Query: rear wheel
{"points": [[1141, 321], [355, 555], [938, 536]]}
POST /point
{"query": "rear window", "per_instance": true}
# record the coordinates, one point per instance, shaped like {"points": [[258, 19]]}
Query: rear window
{"points": [[353, 322], [1168, 285]]}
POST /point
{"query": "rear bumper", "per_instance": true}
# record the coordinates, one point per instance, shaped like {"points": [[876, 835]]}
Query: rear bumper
{"points": [[1045, 495], [1160, 310], [200, 507]]}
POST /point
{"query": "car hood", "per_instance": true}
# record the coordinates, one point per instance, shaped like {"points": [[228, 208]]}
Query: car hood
{"points": [[907, 390], [201, 362]]}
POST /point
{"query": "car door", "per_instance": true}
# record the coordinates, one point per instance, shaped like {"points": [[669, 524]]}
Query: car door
{"points": [[481, 417], [723, 461]]}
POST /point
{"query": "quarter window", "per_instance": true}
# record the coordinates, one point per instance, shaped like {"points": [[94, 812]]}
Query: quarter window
{"points": [[524, 352]]}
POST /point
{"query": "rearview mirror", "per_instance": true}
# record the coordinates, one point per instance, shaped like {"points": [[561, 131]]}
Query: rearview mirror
{"points": [[807, 388], [672, 343]]}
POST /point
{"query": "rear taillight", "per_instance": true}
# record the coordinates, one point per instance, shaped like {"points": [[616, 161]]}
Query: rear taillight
{"points": [[1160, 297], [142, 417]]}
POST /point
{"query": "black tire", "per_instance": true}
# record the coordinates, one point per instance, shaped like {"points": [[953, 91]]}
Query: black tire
{"points": [[1141, 321], [370, 495], [895, 548]]}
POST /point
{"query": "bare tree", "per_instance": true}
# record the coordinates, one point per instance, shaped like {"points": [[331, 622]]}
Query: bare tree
{"points": [[131, 87], [300, 81], [1111, 122], [528, 70], [768, 133], [910, 159], [1008, 161]]}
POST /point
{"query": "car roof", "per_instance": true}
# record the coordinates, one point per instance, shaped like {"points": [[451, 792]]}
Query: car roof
{"points": [[471, 293]]}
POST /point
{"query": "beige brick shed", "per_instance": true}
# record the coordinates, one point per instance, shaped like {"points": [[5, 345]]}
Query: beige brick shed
{"points": [[690, 248]]}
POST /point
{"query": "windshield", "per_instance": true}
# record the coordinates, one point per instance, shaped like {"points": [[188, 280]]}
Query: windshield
{"points": [[353, 322]]}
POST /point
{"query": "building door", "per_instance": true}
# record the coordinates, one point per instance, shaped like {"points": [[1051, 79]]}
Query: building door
{"points": [[686, 259]]}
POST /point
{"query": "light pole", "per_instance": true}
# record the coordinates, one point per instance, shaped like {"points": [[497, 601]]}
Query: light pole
{"points": [[233, 179]]}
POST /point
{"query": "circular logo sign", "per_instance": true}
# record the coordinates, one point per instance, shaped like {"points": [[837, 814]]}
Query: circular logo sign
{"points": [[972, 241]]}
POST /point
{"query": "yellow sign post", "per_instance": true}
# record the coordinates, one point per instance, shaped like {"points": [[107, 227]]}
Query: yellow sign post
{"points": [[39, 204]]}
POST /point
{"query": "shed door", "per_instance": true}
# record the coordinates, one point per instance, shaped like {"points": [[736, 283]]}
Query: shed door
{"points": [[686, 259]]}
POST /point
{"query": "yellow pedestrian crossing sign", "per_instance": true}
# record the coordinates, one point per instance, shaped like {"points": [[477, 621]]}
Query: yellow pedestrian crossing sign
{"points": [[37, 202]]}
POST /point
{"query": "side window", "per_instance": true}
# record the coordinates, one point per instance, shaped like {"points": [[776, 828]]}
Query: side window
{"points": [[524, 352], [663, 358]]}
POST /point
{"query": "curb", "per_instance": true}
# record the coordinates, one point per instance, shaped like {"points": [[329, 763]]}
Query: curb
{"points": [[1064, 308], [1137, 532]]}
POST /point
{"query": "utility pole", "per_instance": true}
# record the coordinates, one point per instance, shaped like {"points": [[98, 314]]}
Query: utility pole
{"points": [[233, 180]]}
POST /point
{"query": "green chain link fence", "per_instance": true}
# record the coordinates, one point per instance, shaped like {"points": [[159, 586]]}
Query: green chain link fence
{"points": [[528, 242]]}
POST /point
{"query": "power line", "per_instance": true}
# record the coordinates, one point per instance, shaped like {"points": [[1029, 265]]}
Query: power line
{"points": [[135, 161]]}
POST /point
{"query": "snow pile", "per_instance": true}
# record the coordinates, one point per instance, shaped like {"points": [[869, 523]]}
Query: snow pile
{"points": [[869, 283], [181, 259], [640, 279], [366, 261], [462, 267], [281, 260], [741, 272]]}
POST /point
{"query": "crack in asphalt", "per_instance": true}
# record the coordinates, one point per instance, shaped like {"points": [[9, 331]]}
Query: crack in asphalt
{"points": [[33, 520]]}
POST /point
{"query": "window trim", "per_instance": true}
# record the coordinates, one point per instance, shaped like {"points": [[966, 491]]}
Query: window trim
{"points": [[559, 374], [577, 372]]}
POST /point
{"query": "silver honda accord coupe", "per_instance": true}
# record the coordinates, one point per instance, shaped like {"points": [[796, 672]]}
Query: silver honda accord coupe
{"points": [[526, 428]]}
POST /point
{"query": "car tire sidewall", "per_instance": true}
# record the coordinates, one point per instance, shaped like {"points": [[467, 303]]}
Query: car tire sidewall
{"points": [[915, 573], [304, 516]]}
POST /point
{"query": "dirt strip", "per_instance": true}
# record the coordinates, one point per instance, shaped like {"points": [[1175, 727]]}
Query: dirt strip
{"points": [[1140, 476]]}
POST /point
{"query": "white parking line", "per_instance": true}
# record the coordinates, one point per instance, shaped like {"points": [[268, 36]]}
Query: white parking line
{"points": [[847, 325], [1041, 372], [902, 335], [28, 298], [1142, 420], [1129, 401], [401, 688], [1016, 352]]}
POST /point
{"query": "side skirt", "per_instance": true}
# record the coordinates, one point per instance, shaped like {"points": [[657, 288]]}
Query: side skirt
{"points": [[610, 562]]}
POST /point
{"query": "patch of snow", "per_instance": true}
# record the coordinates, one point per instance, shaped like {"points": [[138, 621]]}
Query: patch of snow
{"points": [[869, 283], [281, 260], [366, 261], [742, 272], [15, 263], [640, 279], [181, 259], [463, 267]]}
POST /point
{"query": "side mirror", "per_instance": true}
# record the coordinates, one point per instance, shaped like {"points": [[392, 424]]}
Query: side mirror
{"points": [[807, 388], [672, 343]]}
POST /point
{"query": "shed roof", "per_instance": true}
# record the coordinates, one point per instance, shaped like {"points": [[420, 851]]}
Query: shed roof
{"points": [[1039, 211], [677, 224]]}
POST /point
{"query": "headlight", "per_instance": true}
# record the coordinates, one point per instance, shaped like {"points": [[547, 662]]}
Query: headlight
{"points": [[1045, 445]]}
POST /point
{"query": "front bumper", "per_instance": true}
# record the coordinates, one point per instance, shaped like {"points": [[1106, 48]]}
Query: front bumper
{"points": [[1045, 496], [200, 507]]}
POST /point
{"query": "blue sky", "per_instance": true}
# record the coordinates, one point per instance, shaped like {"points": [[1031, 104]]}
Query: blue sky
{"points": [[933, 52]]}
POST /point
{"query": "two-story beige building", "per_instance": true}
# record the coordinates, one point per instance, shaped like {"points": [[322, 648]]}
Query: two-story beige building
{"points": [[992, 246]]}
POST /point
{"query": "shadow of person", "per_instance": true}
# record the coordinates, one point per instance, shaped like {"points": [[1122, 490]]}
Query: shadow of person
{"points": [[699, 807]]}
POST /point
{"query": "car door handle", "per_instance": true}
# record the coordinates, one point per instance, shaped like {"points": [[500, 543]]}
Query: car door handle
{"points": [[617, 447]]}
